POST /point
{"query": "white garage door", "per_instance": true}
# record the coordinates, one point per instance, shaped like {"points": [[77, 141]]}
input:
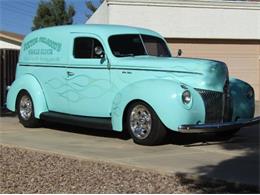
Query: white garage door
{"points": [[242, 57]]}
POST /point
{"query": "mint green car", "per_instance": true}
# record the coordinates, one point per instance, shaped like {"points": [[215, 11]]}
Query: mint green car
{"points": [[124, 78]]}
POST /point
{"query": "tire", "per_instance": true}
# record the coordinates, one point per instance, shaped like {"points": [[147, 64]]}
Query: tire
{"points": [[144, 125], [25, 110]]}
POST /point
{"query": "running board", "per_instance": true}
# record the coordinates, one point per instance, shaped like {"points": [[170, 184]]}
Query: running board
{"points": [[82, 121]]}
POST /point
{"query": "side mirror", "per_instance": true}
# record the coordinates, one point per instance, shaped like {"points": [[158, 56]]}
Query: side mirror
{"points": [[99, 51], [179, 52]]}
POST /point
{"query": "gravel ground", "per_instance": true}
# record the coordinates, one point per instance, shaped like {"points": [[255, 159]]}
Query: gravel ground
{"points": [[30, 171]]}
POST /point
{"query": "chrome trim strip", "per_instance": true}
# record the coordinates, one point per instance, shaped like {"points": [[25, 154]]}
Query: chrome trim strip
{"points": [[112, 68]]}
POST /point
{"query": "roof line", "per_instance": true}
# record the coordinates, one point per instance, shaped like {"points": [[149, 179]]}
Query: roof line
{"points": [[18, 43], [214, 4], [10, 37]]}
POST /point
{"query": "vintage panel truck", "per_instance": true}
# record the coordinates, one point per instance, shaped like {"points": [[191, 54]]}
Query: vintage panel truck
{"points": [[124, 78]]}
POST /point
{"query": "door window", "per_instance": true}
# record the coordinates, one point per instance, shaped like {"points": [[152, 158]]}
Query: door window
{"points": [[84, 47]]}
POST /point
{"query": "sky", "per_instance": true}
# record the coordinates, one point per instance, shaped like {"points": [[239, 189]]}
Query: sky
{"points": [[17, 15]]}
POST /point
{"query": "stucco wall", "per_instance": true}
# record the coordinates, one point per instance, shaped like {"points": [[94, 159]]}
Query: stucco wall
{"points": [[100, 16], [190, 22], [185, 19]]}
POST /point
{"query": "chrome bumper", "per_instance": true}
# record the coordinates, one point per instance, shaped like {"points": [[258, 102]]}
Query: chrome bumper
{"points": [[218, 127]]}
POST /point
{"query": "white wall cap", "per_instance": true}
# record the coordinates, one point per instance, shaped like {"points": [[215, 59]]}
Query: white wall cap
{"points": [[191, 3]]}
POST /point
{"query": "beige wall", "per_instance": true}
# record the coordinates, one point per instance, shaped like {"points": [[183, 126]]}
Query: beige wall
{"points": [[242, 57], [189, 18]]}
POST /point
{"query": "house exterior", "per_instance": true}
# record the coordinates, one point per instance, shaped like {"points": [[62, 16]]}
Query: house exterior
{"points": [[10, 44], [9, 40], [222, 30]]}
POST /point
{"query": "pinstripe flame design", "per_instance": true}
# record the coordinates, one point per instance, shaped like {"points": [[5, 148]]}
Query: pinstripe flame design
{"points": [[80, 87]]}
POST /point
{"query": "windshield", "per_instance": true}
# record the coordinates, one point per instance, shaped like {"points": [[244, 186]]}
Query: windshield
{"points": [[136, 45]]}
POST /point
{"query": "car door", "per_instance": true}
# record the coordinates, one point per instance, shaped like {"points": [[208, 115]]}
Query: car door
{"points": [[90, 91], [53, 79]]}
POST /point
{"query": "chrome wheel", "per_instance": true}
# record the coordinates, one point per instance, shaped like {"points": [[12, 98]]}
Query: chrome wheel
{"points": [[25, 107], [140, 122]]}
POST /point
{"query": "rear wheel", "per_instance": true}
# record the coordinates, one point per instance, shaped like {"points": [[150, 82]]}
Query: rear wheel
{"points": [[144, 125], [25, 110]]}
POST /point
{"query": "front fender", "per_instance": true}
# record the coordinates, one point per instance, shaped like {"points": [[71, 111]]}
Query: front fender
{"points": [[31, 85], [243, 105], [164, 96]]}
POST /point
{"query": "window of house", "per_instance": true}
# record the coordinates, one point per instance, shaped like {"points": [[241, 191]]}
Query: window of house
{"points": [[84, 47]]}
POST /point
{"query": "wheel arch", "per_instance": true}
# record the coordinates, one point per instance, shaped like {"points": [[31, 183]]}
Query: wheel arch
{"points": [[164, 97], [31, 85]]}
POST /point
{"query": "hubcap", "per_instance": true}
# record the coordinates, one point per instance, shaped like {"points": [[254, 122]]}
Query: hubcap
{"points": [[26, 107], [140, 122]]}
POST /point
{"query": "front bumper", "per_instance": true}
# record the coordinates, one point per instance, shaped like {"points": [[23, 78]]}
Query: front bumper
{"points": [[218, 127]]}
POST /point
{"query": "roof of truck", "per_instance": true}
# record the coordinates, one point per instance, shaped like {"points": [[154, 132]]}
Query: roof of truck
{"points": [[54, 45], [99, 29]]}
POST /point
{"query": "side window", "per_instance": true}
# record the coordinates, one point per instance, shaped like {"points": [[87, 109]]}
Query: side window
{"points": [[84, 47]]}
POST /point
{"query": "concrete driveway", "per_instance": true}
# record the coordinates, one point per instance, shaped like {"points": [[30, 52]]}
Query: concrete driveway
{"points": [[236, 160]]}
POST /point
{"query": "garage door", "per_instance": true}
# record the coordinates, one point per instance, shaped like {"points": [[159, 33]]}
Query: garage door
{"points": [[242, 57]]}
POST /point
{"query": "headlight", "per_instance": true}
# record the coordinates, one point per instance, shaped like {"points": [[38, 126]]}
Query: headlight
{"points": [[186, 97]]}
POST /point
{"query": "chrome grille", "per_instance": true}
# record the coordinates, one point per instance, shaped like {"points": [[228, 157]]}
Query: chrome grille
{"points": [[214, 105]]}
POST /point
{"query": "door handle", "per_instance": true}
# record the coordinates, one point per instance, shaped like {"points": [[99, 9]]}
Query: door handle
{"points": [[70, 73]]}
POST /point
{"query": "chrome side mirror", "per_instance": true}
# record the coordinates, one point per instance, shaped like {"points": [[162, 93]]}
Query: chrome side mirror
{"points": [[99, 51], [179, 53]]}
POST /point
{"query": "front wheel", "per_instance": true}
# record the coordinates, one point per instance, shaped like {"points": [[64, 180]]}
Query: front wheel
{"points": [[25, 110], [144, 125]]}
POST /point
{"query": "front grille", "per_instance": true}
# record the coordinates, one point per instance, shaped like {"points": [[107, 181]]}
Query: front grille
{"points": [[213, 102]]}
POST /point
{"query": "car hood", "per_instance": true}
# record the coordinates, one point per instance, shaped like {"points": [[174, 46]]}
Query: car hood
{"points": [[197, 73]]}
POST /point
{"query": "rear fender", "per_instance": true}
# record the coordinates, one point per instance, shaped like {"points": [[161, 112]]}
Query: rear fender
{"points": [[32, 86]]}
